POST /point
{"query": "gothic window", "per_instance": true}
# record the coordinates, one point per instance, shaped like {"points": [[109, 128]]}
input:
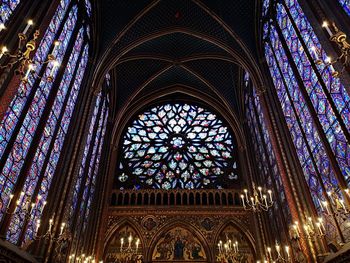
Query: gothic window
{"points": [[177, 146], [6, 9], [265, 156], [83, 192], [346, 5], [314, 102], [35, 125]]}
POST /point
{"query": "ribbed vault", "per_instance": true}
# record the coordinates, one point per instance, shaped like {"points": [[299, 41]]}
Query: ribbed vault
{"points": [[196, 46]]}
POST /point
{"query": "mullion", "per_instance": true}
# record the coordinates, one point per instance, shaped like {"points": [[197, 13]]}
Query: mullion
{"points": [[100, 139], [319, 77], [54, 135], [319, 176], [30, 97], [40, 127]]}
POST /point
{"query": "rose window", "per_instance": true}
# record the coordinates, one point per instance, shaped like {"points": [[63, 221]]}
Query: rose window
{"points": [[177, 146]]}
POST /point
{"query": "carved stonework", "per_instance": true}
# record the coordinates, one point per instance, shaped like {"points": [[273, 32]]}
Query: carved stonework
{"points": [[152, 225]]}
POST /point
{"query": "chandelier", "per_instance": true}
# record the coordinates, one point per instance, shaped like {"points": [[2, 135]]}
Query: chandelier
{"points": [[228, 252], [339, 38], [258, 201], [128, 252], [22, 55], [279, 256]]}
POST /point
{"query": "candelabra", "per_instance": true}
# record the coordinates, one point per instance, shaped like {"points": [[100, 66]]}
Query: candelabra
{"points": [[314, 229], [229, 252], [22, 55], [258, 201], [338, 37], [49, 235], [336, 206], [82, 259], [128, 253], [279, 256]]}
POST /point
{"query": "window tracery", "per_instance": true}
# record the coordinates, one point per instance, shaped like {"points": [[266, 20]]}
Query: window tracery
{"points": [[37, 122], [177, 146], [314, 102]]}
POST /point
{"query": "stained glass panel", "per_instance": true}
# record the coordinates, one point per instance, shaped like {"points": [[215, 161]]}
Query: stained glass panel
{"points": [[85, 159], [177, 146], [346, 5], [6, 9], [8, 176], [319, 96]]}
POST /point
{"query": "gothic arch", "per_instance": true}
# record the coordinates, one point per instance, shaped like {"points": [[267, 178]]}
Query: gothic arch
{"points": [[242, 229], [173, 224], [119, 225]]}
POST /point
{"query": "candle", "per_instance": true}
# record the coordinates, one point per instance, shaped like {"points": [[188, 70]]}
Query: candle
{"points": [[55, 65], [265, 199], [347, 191], [50, 225], [30, 68], [3, 51], [44, 204], [62, 228], [252, 200], [270, 194], [287, 251], [137, 244], [319, 227], [325, 204], [242, 197], [246, 194], [325, 25], [121, 244], [237, 245], [342, 204], [319, 201], [269, 252], [8, 204], [56, 44], [259, 188], [29, 23], [296, 230], [2, 27], [277, 248], [17, 204], [321, 222], [31, 208], [37, 226], [219, 248]]}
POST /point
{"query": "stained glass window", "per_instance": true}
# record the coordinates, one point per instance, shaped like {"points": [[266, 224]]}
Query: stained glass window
{"points": [[315, 103], [6, 9], [20, 127], [265, 158], [11, 118], [346, 5], [85, 183], [177, 146]]}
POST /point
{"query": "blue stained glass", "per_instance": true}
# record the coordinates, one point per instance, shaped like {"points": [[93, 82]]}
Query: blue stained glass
{"points": [[62, 131], [88, 7], [177, 146], [43, 147], [313, 86], [262, 145], [294, 109], [7, 7], [84, 158], [89, 186], [346, 5], [8, 175]]}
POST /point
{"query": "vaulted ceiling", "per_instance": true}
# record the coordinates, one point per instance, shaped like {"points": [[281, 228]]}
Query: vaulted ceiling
{"points": [[150, 45]]}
